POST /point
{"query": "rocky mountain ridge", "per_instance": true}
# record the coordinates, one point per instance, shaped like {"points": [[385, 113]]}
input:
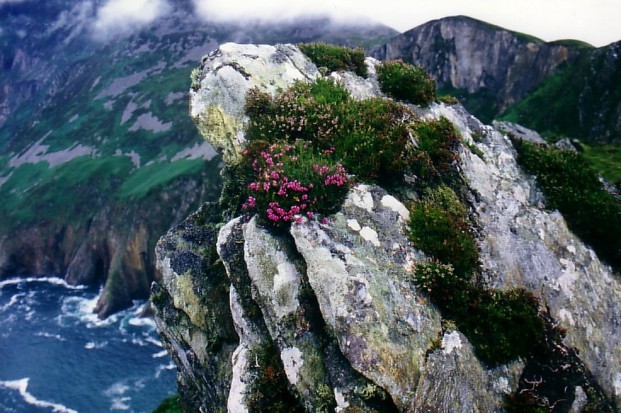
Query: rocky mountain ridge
{"points": [[325, 316], [471, 57]]}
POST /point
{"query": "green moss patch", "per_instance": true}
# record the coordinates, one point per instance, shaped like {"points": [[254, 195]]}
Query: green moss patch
{"points": [[335, 57], [406, 82], [572, 186], [436, 152], [439, 226], [170, 405]]}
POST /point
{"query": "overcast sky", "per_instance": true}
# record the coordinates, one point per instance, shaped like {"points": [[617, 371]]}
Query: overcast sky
{"points": [[595, 21]]}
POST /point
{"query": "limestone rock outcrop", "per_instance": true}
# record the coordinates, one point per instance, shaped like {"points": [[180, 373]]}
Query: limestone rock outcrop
{"points": [[326, 313]]}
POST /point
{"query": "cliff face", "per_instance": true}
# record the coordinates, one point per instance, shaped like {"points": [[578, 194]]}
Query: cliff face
{"points": [[325, 316], [490, 67]]}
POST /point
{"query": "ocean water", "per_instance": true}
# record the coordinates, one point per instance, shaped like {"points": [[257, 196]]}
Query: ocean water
{"points": [[56, 356]]}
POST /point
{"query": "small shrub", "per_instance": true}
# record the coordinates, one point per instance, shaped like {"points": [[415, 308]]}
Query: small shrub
{"points": [[448, 99], [436, 154], [501, 325], [369, 137], [439, 226], [405, 82], [335, 57], [572, 186], [291, 181], [372, 143], [307, 111], [169, 405]]}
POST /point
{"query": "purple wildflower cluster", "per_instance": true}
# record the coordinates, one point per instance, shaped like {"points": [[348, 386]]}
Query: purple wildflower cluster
{"points": [[291, 182]]}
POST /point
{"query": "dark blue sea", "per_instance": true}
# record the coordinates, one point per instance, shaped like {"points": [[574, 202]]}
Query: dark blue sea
{"points": [[56, 356]]}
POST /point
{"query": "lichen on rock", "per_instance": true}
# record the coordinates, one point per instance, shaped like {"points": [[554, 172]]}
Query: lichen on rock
{"points": [[323, 316]]}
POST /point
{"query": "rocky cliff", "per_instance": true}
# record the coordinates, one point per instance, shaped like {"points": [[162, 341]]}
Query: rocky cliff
{"points": [[489, 67], [324, 316]]}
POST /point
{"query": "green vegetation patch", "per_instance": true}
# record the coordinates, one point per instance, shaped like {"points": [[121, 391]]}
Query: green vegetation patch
{"points": [[156, 175], [501, 325], [66, 192], [572, 186], [169, 405], [311, 138], [436, 153], [335, 57], [439, 226], [406, 82], [368, 137], [606, 159]]}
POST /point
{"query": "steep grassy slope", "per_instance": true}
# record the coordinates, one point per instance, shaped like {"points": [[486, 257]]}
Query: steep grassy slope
{"points": [[98, 156], [581, 100]]}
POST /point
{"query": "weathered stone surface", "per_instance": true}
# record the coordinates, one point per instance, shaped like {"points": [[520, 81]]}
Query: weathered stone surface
{"points": [[276, 275], [518, 131], [453, 380], [227, 74], [192, 312], [524, 245], [359, 87], [382, 324]]}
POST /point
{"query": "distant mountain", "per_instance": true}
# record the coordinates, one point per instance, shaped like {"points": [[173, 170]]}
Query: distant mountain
{"points": [[98, 155], [489, 68], [582, 99]]}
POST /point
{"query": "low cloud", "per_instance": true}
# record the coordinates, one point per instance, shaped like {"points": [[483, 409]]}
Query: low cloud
{"points": [[274, 10], [118, 17], [75, 20]]}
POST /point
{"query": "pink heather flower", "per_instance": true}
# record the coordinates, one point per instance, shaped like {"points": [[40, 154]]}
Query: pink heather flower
{"points": [[254, 186], [310, 215]]}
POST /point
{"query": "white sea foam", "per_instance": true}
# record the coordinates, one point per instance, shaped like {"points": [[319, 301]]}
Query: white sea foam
{"points": [[154, 341], [50, 335], [50, 280], [22, 387], [91, 345], [14, 300], [141, 321], [116, 393], [159, 355], [164, 367], [120, 403]]}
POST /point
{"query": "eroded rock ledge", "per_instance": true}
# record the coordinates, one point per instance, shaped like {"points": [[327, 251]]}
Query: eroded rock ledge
{"points": [[324, 316]]}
